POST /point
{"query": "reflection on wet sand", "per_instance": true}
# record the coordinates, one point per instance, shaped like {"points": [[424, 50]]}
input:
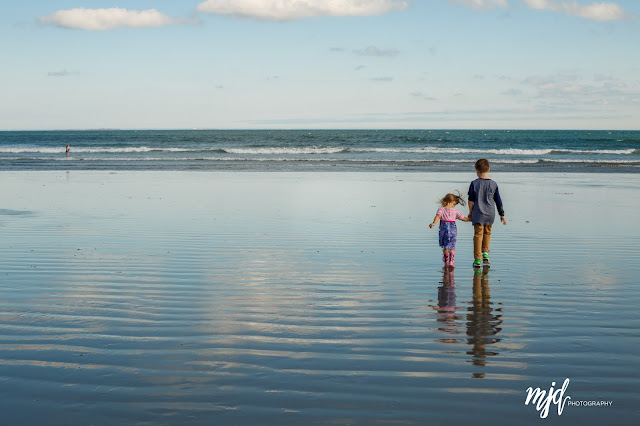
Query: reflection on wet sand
{"points": [[288, 299], [447, 317], [483, 322]]}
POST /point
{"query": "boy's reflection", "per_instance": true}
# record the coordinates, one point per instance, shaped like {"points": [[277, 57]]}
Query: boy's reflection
{"points": [[447, 306], [483, 322]]}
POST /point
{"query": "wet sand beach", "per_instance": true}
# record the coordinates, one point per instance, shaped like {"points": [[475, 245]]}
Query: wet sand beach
{"points": [[301, 298]]}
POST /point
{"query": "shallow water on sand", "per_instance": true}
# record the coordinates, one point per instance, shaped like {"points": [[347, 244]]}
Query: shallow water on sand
{"points": [[246, 298]]}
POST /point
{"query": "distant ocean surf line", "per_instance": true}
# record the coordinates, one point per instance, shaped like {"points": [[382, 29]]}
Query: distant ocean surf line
{"points": [[359, 150]]}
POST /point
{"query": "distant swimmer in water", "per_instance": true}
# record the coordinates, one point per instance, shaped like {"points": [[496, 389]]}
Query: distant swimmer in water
{"points": [[67, 150]]}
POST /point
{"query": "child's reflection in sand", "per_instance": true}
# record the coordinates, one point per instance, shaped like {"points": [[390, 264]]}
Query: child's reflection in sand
{"points": [[483, 321], [447, 306]]}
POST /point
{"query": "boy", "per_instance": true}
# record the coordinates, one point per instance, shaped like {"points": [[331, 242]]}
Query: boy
{"points": [[483, 200]]}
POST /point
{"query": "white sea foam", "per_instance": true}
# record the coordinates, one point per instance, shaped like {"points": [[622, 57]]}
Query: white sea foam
{"points": [[27, 150], [285, 151], [330, 160], [574, 160], [508, 151], [599, 151], [439, 150], [95, 150], [309, 150]]}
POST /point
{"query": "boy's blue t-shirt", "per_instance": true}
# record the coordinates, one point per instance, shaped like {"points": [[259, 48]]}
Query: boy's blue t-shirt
{"points": [[485, 197]]}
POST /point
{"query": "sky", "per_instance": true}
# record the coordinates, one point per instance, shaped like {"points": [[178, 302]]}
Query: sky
{"points": [[320, 64]]}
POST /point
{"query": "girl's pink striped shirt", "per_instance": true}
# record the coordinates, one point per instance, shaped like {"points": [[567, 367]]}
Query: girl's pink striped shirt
{"points": [[449, 215]]}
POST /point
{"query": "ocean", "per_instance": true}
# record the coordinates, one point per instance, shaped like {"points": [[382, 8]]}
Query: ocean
{"points": [[322, 150]]}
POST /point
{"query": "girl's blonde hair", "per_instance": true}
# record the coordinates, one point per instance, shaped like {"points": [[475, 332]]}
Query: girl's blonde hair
{"points": [[453, 198]]}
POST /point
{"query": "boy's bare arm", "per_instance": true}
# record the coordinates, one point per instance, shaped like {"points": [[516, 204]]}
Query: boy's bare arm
{"points": [[504, 221], [470, 203]]}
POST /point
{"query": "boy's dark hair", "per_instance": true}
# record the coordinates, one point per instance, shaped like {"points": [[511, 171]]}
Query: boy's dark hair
{"points": [[482, 165]]}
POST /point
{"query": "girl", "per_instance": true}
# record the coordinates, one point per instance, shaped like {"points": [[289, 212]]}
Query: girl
{"points": [[447, 216]]}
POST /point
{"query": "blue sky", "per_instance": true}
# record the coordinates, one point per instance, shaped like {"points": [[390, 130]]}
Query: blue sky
{"points": [[243, 64]]}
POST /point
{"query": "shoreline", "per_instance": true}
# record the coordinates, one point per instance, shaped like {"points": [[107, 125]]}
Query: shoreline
{"points": [[578, 169]]}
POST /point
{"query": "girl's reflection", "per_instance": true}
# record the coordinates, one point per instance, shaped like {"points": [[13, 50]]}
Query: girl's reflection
{"points": [[447, 306]]}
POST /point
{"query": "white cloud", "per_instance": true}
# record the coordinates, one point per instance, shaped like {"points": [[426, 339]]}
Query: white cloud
{"points": [[374, 51], [597, 11], [480, 4], [573, 90], [421, 95], [106, 19], [292, 10], [602, 77], [565, 86], [512, 92], [61, 73], [539, 4]]}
